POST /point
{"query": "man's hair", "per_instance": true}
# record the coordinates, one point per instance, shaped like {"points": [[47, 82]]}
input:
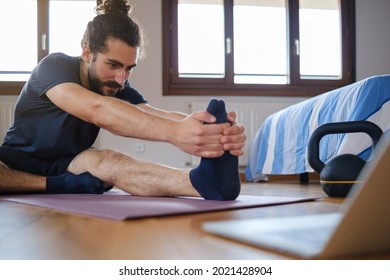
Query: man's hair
{"points": [[112, 21]]}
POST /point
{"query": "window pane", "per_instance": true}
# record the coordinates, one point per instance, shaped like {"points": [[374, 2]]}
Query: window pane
{"points": [[320, 39], [201, 50], [260, 42], [68, 20], [18, 49]]}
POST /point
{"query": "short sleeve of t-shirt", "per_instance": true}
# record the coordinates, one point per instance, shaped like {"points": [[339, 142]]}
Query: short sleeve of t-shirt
{"points": [[53, 70]]}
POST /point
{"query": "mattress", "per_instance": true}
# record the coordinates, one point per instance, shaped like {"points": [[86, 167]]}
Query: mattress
{"points": [[280, 145]]}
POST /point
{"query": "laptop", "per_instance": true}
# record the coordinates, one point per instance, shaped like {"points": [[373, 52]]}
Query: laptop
{"points": [[361, 227]]}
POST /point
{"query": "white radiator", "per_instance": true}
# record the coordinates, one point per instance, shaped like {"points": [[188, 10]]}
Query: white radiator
{"points": [[7, 104], [251, 115]]}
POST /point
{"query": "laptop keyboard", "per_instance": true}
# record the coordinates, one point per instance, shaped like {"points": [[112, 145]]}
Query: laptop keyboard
{"points": [[310, 236]]}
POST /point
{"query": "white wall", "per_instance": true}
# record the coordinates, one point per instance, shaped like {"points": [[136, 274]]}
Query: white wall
{"points": [[372, 38]]}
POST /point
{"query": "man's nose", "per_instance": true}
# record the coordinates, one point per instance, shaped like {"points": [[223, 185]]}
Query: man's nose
{"points": [[121, 77]]}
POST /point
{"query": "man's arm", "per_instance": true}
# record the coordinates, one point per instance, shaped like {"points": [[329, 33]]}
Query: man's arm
{"points": [[121, 118], [171, 115], [233, 138]]}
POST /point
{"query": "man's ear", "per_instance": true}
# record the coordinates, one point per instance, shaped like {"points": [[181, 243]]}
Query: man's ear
{"points": [[86, 54]]}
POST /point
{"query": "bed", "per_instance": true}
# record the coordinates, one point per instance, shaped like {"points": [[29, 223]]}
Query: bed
{"points": [[280, 145]]}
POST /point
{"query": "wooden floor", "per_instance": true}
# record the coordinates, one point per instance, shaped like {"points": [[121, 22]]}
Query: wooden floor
{"points": [[28, 232]]}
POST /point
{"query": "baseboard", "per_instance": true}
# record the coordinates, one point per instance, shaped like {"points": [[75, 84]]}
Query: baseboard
{"points": [[311, 177]]}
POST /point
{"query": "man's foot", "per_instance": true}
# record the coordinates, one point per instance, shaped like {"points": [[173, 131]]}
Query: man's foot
{"points": [[71, 183], [217, 178]]}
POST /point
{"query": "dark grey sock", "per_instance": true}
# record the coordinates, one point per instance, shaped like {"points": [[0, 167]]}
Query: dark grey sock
{"points": [[71, 183], [217, 178]]}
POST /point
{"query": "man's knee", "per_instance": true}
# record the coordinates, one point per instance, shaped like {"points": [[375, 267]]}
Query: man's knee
{"points": [[109, 163], [110, 157], [98, 159]]}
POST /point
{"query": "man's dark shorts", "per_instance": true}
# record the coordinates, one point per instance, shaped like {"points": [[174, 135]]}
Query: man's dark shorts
{"points": [[21, 161]]}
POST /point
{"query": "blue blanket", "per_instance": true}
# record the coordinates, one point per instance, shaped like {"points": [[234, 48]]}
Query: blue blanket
{"points": [[280, 145]]}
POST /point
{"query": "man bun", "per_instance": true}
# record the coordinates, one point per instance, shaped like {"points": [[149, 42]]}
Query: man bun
{"points": [[113, 7]]}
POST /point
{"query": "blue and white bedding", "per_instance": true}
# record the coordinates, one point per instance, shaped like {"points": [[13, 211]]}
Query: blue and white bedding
{"points": [[280, 145]]}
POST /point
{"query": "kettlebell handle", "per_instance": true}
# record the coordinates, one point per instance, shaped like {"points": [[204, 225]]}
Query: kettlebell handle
{"points": [[370, 128]]}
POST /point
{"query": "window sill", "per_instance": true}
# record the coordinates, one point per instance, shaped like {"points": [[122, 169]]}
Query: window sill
{"points": [[280, 91], [11, 88]]}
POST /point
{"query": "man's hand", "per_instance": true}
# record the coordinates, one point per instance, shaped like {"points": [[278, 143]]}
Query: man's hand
{"points": [[198, 135], [233, 138]]}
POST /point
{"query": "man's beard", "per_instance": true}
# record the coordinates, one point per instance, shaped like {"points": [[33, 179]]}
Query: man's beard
{"points": [[96, 85]]}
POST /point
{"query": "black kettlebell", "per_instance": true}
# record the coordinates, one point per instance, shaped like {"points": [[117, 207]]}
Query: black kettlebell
{"points": [[339, 173]]}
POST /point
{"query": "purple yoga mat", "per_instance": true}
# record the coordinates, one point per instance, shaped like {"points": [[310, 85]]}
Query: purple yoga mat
{"points": [[118, 205]]}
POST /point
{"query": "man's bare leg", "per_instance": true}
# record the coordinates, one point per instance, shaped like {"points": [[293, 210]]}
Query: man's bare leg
{"points": [[133, 176], [12, 181]]}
